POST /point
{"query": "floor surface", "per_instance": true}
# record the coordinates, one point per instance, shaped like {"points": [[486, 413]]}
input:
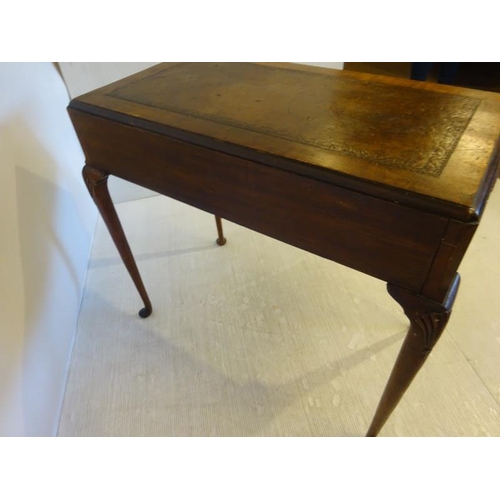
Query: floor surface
{"points": [[258, 338]]}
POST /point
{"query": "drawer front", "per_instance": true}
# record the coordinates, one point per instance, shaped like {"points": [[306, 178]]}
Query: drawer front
{"points": [[379, 238]]}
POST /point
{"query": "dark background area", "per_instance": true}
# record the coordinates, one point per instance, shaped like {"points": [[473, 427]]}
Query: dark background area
{"points": [[475, 75]]}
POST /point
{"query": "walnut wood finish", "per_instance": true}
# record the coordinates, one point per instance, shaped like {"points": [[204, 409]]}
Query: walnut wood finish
{"points": [[387, 176], [419, 144], [220, 240], [427, 322], [355, 230], [97, 184]]}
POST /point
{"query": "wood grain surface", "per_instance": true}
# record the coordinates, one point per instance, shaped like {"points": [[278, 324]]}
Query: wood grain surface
{"points": [[394, 243]]}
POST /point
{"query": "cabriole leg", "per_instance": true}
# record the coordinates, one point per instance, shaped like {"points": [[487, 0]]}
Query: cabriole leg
{"points": [[427, 321], [97, 184]]}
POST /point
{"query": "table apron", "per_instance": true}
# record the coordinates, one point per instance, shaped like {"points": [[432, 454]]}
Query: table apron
{"points": [[386, 240]]}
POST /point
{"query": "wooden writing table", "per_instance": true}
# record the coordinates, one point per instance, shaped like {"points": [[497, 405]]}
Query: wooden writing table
{"points": [[387, 176]]}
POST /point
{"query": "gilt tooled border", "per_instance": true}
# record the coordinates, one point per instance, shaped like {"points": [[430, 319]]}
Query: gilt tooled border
{"points": [[433, 167]]}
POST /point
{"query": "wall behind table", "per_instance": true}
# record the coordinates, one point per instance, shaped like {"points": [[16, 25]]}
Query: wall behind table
{"points": [[47, 221]]}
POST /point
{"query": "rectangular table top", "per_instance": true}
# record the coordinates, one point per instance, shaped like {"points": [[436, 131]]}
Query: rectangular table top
{"points": [[428, 146]]}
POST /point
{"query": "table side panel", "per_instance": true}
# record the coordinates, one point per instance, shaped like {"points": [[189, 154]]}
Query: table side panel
{"points": [[394, 243]]}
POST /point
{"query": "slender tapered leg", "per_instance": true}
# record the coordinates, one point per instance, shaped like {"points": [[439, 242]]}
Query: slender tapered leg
{"points": [[427, 321], [97, 184], [220, 240]]}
